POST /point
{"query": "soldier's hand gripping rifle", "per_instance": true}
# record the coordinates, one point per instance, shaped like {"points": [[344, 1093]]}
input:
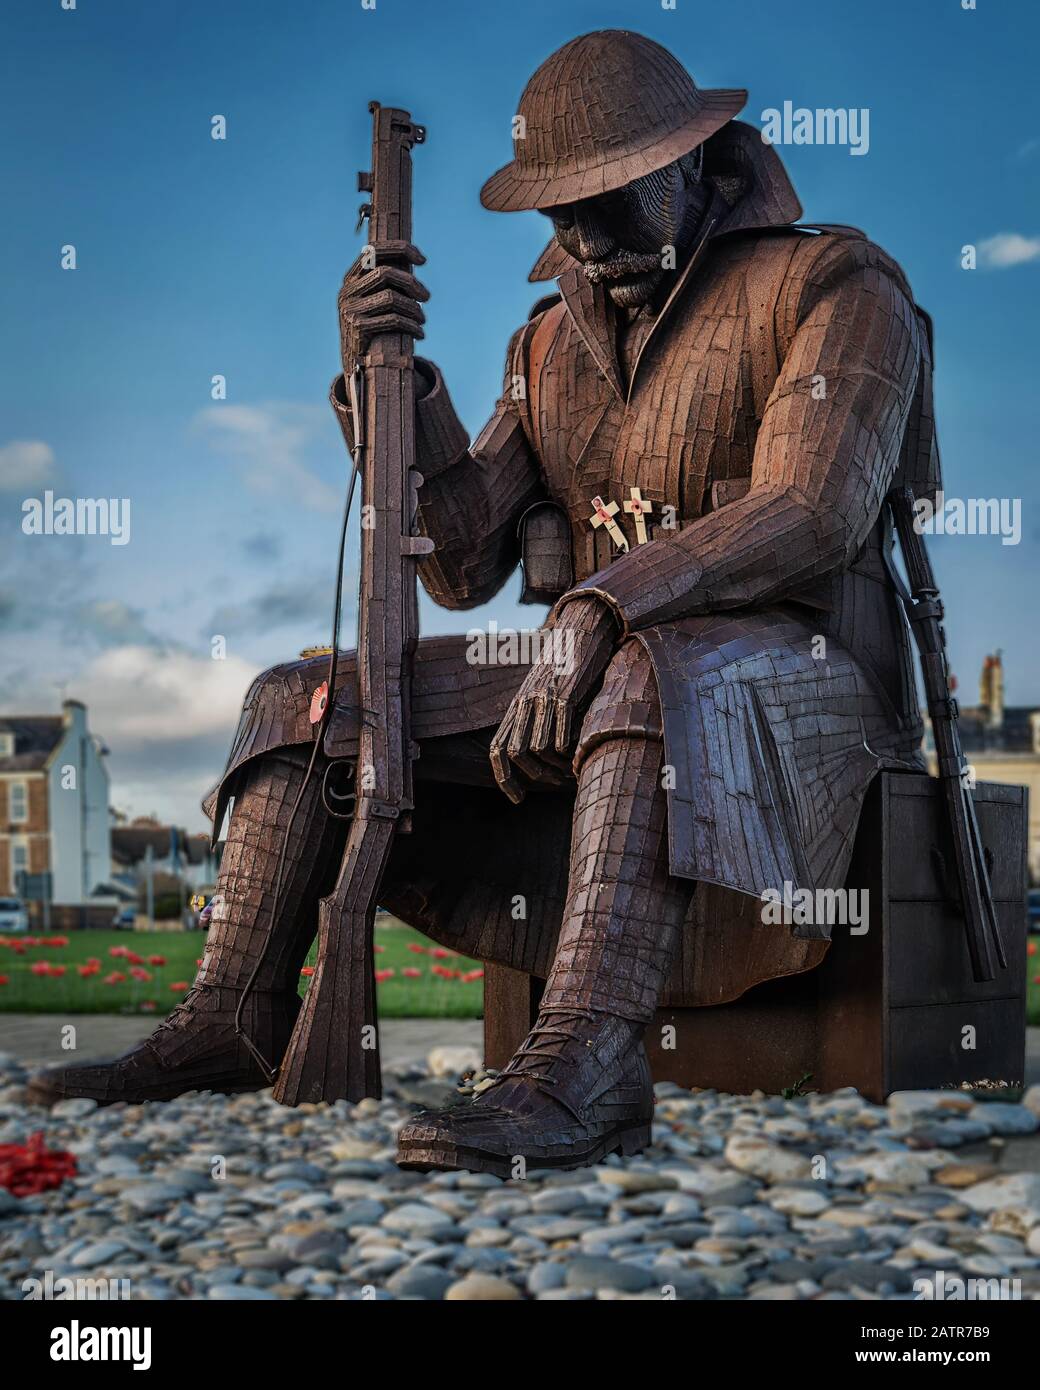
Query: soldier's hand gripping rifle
{"points": [[334, 1050], [924, 609]]}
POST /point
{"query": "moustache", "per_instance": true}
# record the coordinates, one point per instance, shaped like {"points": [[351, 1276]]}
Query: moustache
{"points": [[622, 263]]}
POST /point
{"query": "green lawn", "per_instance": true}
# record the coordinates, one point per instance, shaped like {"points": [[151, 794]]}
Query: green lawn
{"points": [[424, 994], [421, 993]]}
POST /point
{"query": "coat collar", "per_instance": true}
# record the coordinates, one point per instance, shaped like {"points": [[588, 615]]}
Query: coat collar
{"points": [[751, 189], [592, 309]]}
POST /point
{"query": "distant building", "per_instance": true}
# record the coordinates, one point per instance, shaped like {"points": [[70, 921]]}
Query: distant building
{"points": [[1002, 742], [54, 817], [174, 853]]}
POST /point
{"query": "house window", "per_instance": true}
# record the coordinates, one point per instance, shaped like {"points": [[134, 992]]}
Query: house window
{"points": [[17, 802], [6, 745], [19, 862]]}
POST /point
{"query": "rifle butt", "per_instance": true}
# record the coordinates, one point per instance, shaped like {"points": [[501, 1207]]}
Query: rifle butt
{"points": [[980, 924], [333, 1053]]}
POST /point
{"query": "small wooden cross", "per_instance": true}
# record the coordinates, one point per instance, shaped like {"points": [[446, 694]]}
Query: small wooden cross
{"points": [[603, 514], [639, 509]]}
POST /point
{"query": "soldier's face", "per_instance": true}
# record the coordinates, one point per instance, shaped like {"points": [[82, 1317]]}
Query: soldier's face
{"points": [[622, 239]]}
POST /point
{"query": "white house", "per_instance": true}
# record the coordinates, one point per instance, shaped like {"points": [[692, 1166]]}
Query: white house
{"points": [[54, 804]]}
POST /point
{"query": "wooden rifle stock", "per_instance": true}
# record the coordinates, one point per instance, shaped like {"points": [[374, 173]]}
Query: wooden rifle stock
{"points": [[334, 1050]]}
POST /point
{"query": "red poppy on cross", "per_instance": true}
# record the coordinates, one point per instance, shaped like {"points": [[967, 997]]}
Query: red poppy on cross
{"points": [[603, 514], [639, 509]]}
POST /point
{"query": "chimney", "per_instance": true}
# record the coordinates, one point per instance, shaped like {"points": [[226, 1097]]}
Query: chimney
{"points": [[991, 690], [996, 709], [74, 713]]}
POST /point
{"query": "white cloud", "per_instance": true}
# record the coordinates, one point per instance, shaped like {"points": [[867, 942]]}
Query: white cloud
{"points": [[112, 623], [173, 797], [272, 439], [1008, 249], [25, 464], [141, 698]]}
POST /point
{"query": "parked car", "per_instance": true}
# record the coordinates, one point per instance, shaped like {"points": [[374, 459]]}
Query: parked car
{"points": [[125, 919], [1033, 910], [13, 916]]}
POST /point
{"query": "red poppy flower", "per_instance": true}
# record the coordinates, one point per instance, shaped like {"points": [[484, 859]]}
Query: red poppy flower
{"points": [[40, 967], [139, 973], [410, 973], [86, 971], [179, 986], [4, 980], [318, 702], [416, 948], [148, 1006], [116, 951], [156, 960], [382, 975], [379, 949], [472, 975], [28, 1169], [116, 978], [440, 953], [56, 971], [134, 959]]}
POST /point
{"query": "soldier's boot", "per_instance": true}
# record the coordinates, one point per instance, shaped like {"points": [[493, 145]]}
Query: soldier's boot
{"points": [[199, 1046], [579, 1087]]}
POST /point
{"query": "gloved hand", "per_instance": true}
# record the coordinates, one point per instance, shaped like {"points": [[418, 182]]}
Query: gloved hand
{"points": [[536, 738]]}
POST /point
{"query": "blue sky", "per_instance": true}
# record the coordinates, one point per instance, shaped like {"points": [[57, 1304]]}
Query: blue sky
{"points": [[197, 257]]}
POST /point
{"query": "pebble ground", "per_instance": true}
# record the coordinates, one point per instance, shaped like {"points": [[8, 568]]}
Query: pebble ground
{"points": [[815, 1197]]}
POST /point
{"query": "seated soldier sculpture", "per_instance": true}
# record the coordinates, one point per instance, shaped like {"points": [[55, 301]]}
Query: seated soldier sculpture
{"points": [[690, 456]]}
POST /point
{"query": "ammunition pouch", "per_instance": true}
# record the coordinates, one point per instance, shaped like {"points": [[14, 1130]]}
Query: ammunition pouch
{"points": [[545, 553]]}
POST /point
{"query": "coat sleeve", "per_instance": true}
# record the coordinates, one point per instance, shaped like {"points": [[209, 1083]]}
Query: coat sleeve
{"points": [[826, 453], [472, 499]]}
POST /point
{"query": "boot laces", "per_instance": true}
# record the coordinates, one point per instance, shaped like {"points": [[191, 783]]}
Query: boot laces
{"points": [[183, 1012], [547, 1040]]}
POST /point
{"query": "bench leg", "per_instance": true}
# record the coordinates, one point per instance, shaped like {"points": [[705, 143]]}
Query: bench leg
{"points": [[510, 1008]]}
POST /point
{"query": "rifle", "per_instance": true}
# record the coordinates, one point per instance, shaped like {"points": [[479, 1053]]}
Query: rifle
{"points": [[334, 1049], [924, 609]]}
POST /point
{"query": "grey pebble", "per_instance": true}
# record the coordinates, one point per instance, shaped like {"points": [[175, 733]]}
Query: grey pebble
{"points": [[590, 1272], [425, 1282], [231, 1292]]}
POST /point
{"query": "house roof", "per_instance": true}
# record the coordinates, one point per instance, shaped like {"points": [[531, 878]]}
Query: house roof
{"points": [[35, 738], [196, 849], [130, 843], [1014, 735]]}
